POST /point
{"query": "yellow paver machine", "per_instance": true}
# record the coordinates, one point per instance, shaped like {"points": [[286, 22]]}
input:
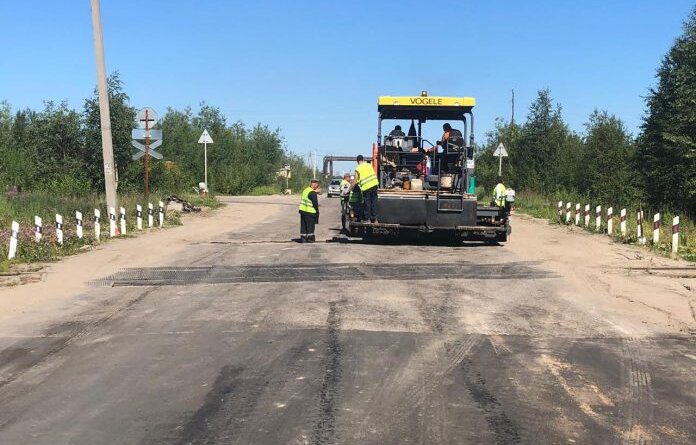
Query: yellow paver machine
{"points": [[427, 186]]}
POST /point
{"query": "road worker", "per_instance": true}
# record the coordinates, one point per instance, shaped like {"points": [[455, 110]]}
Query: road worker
{"points": [[345, 182], [499, 193], [509, 199], [309, 212], [397, 132], [355, 201], [366, 179]]}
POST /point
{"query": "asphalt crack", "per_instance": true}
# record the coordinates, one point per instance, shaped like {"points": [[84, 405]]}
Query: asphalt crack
{"points": [[324, 428]]}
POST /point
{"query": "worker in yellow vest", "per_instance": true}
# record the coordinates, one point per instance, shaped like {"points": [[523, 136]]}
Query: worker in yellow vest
{"points": [[499, 193], [309, 212], [366, 179]]}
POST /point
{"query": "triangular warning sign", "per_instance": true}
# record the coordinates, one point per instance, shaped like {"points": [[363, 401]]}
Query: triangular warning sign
{"points": [[500, 151], [205, 138]]}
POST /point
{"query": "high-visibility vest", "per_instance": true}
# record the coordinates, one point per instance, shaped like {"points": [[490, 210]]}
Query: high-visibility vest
{"points": [[355, 197], [499, 193], [306, 203], [367, 178]]}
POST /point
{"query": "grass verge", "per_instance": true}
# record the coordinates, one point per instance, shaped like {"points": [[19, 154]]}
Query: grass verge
{"points": [[24, 207], [541, 206]]}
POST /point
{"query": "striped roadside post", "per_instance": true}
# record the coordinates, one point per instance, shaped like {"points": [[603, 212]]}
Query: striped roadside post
{"points": [[656, 228], [560, 210], [587, 215], [161, 213], [78, 224], [639, 227], [38, 228], [623, 223], [123, 221], [97, 224], [150, 215], [112, 222], [13, 240], [675, 234], [567, 213], [598, 218], [610, 221], [139, 216], [577, 214], [59, 229]]}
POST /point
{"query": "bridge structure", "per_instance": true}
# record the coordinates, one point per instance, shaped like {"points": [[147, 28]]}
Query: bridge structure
{"points": [[328, 169]]}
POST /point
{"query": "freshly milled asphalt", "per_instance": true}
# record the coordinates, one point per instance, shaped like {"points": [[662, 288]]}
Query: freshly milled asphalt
{"points": [[254, 339]]}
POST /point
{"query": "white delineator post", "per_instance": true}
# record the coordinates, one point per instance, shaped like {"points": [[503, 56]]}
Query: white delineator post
{"points": [[161, 213], [623, 223], [112, 222], [587, 215], [675, 234], [78, 224], [38, 228], [560, 209], [639, 226], [610, 221], [656, 228], [643, 238], [598, 218], [139, 217], [59, 228], [13, 241], [150, 214], [568, 213], [577, 214], [123, 221], [97, 224]]}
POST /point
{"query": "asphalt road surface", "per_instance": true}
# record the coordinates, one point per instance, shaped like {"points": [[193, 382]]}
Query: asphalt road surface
{"points": [[249, 338]]}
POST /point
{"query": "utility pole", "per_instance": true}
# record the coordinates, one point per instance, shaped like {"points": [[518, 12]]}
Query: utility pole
{"points": [[314, 166], [104, 113], [512, 120]]}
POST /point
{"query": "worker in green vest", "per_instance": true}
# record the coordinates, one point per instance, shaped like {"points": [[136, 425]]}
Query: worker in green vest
{"points": [[499, 193], [366, 179], [355, 201], [309, 212]]}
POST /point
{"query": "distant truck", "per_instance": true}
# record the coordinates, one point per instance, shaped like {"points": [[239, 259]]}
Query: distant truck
{"points": [[443, 199]]}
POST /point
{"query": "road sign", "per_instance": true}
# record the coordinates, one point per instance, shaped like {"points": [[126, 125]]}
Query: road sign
{"points": [[205, 138], [141, 147], [141, 135], [147, 118], [500, 151]]}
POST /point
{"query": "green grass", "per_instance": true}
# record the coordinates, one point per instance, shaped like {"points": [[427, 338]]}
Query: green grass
{"points": [[540, 206], [24, 207], [264, 190]]}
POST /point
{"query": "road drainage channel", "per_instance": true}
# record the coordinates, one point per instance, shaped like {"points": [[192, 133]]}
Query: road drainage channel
{"points": [[280, 273]]}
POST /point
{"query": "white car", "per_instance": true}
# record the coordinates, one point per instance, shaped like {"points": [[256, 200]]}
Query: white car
{"points": [[334, 188]]}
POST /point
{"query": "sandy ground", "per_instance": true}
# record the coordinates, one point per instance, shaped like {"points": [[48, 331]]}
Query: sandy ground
{"points": [[225, 331], [663, 290], [37, 302]]}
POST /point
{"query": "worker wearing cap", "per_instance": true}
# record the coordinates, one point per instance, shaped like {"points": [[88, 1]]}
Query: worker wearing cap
{"points": [[309, 212], [366, 179], [345, 184], [499, 193]]}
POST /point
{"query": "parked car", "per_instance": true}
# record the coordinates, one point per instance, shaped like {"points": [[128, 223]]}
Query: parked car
{"points": [[334, 188]]}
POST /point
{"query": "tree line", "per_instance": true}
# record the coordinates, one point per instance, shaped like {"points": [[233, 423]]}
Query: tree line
{"points": [[58, 149], [657, 168]]}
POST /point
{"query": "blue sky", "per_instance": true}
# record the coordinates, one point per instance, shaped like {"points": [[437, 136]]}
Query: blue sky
{"points": [[315, 69]]}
